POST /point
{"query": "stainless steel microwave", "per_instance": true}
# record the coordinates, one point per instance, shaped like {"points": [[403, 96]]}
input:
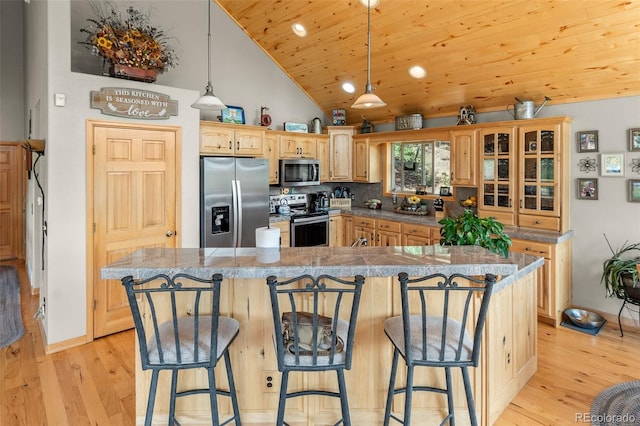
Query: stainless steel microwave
{"points": [[299, 172]]}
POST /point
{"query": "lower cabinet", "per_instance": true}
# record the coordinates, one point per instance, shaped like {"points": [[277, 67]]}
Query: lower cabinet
{"points": [[364, 227], [336, 231], [511, 344], [388, 233], [285, 232], [419, 235], [554, 279]]}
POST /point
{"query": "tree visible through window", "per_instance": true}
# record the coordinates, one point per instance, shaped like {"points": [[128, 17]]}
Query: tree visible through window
{"points": [[421, 163]]}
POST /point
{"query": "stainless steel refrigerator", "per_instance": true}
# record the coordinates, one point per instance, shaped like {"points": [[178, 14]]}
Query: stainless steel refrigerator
{"points": [[234, 200]]}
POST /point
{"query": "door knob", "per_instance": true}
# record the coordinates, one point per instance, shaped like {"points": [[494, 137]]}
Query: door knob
{"points": [[169, 234]]}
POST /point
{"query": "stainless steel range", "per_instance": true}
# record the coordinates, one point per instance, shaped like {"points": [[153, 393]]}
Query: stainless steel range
{"points": [[309, 228]]}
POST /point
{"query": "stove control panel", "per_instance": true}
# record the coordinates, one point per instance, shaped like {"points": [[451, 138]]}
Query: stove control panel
{"points": [[292, 200]]}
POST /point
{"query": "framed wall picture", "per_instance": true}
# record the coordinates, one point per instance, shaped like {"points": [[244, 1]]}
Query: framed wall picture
{"points": [[634, 190], [634, 140], [587, 189], [588, 141], [445, 191], [612, 164], [233, 114]]}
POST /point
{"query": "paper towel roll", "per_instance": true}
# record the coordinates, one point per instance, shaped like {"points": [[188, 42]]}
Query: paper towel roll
{"points": [[267, 237]]}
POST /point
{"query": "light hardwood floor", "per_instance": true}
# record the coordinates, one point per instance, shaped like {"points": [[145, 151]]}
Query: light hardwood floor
{"points": [[94, 384]]}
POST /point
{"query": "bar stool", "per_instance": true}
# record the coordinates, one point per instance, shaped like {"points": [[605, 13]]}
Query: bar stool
{"points": [[179, 328], [307, 340], [440, 326]]}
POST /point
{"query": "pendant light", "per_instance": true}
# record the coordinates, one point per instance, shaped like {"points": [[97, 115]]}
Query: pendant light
{"points": [[368, 100], [209, 101]]}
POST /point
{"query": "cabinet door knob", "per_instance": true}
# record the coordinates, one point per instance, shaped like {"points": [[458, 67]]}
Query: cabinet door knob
{"points": [[169, 234]]}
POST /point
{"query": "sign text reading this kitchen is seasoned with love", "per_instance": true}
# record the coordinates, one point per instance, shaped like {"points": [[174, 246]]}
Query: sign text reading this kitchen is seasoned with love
{"points": [[133, 103]]}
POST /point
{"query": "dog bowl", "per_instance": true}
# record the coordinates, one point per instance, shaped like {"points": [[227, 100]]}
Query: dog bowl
{"points": [[583, 318]]}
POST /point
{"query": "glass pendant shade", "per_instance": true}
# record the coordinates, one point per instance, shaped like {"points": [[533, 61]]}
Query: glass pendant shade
{"points": [[368, 100], [209, 101]]}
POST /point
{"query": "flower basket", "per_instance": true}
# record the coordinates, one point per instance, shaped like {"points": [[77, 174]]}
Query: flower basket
{"points": [[133, 47], [132, 73]]}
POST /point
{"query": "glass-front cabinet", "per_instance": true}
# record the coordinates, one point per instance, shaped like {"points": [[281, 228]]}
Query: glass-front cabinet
{"points": [[538, 182], [496, 192], [524, 174]]}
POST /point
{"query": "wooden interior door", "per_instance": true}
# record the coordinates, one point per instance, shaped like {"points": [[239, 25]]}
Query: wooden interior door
{"points": [[134, 206], [10, 200]]}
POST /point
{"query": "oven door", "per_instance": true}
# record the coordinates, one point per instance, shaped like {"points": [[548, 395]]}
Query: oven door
{"points": [[310, 231]]}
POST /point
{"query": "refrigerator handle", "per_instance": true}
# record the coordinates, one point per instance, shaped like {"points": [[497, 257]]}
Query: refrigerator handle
{"points": [[239, 215], [234, 198]]}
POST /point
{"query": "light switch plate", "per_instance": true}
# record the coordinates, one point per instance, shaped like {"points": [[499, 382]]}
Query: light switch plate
{"points": [[60, 99]]}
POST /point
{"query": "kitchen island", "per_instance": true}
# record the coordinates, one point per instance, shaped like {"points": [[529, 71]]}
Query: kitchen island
{"points": [[509, 356]]}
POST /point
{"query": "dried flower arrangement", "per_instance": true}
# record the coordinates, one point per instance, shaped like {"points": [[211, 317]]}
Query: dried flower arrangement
{"points": [[129, 39]]}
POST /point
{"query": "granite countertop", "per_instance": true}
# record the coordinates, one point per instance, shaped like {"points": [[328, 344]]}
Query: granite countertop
{"points": [[430, 220], [338, 261]]}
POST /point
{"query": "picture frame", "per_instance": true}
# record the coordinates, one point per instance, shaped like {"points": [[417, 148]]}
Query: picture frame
{"points": [[612, 164], [445, 191], [233, 114], [634, 139], [587, 189], [587, 141], [634, 190]]}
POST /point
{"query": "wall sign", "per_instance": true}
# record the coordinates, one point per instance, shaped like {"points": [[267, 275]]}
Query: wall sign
{"points": [[133, 103]]}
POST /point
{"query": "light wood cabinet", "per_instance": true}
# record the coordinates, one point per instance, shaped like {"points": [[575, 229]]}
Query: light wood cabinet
{"points": [[234, 140], [525, 174], [418, 235], [364, 228], [347, 227], [463, 157], [294, 145], [336, 231], [322, 153], [511, 339], [340, 153], [388, 233], [271, 152], [497, 189], [285, 232], [366, 162], [554, 279]]}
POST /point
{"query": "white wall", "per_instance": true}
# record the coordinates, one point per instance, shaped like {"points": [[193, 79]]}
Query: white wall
{"points": [[12, 118]]}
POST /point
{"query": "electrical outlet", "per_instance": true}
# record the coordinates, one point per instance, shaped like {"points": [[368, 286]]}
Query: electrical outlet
{"points": [[270, 381]]}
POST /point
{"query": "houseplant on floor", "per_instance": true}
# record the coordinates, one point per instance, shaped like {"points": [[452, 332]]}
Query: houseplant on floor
{"points": [[620, 273], [469, 229]]}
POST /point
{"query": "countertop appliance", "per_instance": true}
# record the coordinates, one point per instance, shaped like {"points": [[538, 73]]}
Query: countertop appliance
{"points": [[299, 172], [308, 227], [234, 200]]}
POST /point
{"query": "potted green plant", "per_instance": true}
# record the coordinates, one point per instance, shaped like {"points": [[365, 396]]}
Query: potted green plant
{"points": [[469, 229], [620, 273]]}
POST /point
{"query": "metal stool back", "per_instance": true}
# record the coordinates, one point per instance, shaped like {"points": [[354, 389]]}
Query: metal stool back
{"points": [[441, 326], [178, 327], [320, 320]]}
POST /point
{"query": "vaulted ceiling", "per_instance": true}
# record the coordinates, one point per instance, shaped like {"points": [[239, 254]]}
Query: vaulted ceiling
{"points": [[476, 52]]}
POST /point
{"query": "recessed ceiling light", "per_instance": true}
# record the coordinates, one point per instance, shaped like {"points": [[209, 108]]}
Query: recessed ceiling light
{"points": [[417, 71], [348, 87], [372, 3], [299, 30]]}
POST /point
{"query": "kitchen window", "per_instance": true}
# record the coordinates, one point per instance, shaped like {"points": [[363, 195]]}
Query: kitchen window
{"points": [[425, 164]]}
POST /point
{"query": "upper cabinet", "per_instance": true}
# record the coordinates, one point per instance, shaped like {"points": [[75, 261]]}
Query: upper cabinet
{"points": [[340, 155], [297, 145], [225, 139], [496, 190], [525, 174], [271, 153], [366, 162], [463, 157]]}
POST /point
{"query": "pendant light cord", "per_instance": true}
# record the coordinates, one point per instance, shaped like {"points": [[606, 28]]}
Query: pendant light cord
{"points": [[209, 47], [368, 43]]}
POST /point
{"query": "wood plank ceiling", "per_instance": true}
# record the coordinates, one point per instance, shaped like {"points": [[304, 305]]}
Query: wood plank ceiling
{"points": [[479, 52]]}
